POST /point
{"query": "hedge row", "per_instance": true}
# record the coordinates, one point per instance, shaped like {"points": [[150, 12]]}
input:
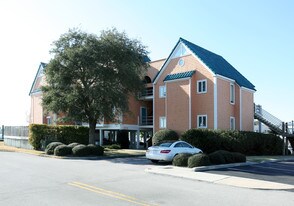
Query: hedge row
{"points": [[163, 135], [40, 135], [75, 149], [215, 158], [248, 143]]}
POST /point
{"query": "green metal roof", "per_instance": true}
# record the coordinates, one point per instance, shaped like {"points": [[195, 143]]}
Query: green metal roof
{"points": [[179, 75], [218, 64]]}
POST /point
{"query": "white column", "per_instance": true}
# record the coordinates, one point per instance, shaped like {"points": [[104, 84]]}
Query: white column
{"points": [[101, 137], [241, 110], [138, 139], [190, 105]]}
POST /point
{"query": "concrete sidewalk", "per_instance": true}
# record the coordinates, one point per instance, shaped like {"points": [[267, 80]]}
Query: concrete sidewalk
{"points": [[198, 173]]}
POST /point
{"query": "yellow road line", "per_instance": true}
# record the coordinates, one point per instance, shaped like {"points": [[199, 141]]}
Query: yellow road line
{"points": [[109, 193]]}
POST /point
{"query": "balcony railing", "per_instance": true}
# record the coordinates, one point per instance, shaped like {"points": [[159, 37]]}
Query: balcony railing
{"points": [[146, 93], [146, 121]]}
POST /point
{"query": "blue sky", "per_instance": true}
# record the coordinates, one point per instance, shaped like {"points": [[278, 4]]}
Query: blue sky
{"points": [[256, 37]]}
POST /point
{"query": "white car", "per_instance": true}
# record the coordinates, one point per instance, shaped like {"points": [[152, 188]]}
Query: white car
{"points": [[166, 151]]}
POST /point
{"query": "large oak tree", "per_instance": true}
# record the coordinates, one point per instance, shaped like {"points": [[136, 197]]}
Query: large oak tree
{"points": [[90, 76]]}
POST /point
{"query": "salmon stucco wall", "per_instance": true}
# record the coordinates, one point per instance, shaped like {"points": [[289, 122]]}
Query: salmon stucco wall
{"points": [[177, 105], [200, 103], [134, 107], [225, 108], [36, 115], [247, 110]]}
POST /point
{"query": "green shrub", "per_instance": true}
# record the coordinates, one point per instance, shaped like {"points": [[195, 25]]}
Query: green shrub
{"points": [[39, 134], [204, 139], [95, 150], [225, 157], [50, 147], [217, 158], [249, 143], [181, 160], [163, 135], [81, 150], [113, 146], [238, 157], [62, 150], [72, 145], [198, 160], [228, 156]]}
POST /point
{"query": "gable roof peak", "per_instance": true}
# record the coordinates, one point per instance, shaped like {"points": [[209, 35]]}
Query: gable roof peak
{"points": [[217, 64]]}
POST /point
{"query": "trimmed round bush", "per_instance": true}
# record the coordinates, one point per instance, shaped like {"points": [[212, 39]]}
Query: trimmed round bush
{"points": [[225, 157], [95, 150], [198, 160], [72, 145], [81, 150], [181, 160], [50, 147], [228, 156], [217, 158], [62, 150], [114, 146], [238, 157], [163, 135]]}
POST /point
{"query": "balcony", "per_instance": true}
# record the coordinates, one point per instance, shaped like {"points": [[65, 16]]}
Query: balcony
{"points": [[146, 94], [146, 121]]}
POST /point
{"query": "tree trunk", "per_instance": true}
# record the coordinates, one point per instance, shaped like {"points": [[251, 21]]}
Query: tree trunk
{"points": [[92, 127]]}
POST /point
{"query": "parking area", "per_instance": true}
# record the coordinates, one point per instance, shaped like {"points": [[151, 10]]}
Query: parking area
{"points": [[279, 172]]}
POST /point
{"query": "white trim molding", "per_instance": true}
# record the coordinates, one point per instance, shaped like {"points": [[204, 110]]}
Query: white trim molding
{"points": [[225, 78], [241, 109], [248, 90], [190, 105]]}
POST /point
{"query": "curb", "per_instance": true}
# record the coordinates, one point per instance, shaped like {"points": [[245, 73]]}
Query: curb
{"points": [[222, 166], [75, 158], [89, 158]]}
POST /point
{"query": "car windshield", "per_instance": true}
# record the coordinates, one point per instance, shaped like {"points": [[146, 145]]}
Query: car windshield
{"points": [[164, 144]]}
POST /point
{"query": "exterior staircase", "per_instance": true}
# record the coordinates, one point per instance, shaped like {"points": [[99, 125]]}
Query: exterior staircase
{"points": [[269, 120], [274, 123]]}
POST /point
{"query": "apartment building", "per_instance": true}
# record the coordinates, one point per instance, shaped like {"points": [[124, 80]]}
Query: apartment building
{"points": [[191, 88]]}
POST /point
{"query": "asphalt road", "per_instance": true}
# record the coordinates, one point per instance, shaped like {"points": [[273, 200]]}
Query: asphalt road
{"points": [[35, 181], [280, 172]]}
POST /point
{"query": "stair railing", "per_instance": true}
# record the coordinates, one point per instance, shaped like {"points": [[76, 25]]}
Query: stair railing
{"points": [[259, 111]]}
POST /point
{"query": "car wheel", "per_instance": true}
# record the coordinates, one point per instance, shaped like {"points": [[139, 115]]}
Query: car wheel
{"points": [[155, 161]]}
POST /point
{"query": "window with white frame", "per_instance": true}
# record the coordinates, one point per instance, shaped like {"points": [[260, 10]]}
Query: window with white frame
{"points": [[232, 123], [201, 121], [202, 86], [162, 122], [162, 91], [49, 122], [232, 93]]}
